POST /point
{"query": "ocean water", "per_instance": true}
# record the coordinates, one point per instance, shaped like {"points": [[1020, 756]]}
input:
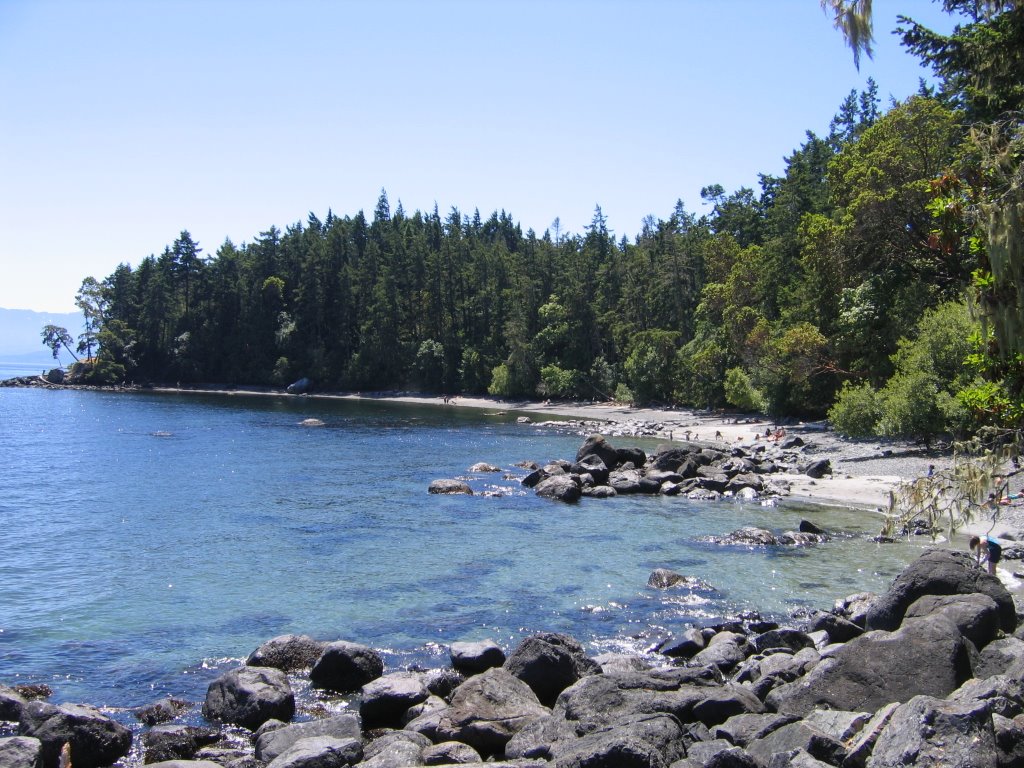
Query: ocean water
{"points": [[149, 541]]}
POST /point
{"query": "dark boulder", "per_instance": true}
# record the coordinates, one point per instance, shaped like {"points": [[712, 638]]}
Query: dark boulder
{"points": [[21, 752], [598, 446], [534, 478], [817, 469], [95, 739], [346, 667], [473, 658], [450, 753], [11, 704], [724, 650], [160, 711], [998, 656], [838, 629], [939, 572], [794, 736], [249, 696], [931, 733], [449, 487], [176, 742], [975, 615], [592, 465], [792, 639], [270, 744], [395, 749], [685, 645], [925, 656], [669, 459], [564, 488], [289, 653], [386, 699], [321, 752], [487, 710], [743, 729], [638, 741], [634, 456], [549, 663], [806, 526], [625, 480]]}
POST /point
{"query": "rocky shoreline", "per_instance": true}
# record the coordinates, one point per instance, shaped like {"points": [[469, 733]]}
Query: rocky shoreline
{"points": [[930, 673]]}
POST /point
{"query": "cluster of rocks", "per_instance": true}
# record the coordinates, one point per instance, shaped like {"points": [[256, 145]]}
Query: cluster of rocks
{"points": [[929, 674], [692, 469]]}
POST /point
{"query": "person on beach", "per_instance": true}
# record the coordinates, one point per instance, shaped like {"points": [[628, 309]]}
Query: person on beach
{"points": [[987, 549]]}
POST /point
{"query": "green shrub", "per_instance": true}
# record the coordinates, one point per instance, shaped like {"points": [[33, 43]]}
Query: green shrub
{"points": [[740, 391], [623, 394], [501, 382], [857, 411]]}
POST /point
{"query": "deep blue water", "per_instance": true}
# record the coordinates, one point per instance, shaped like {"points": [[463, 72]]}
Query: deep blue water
{"points": [[148, 541]]}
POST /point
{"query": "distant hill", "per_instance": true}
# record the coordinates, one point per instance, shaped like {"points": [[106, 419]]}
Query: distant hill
{"points": [[20, 340]]}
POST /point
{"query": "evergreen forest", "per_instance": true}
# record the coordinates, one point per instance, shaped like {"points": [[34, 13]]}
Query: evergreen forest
{"points": [[879, 280]]}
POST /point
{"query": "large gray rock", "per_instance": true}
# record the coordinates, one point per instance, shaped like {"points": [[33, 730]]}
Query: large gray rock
{"points": [[1001, 693], [488, 709], [975, 615], [794, 736], [346, 667], [160, 711], [597, 701], [447, 486], [176, 742], [249, 696], [387, 698], [939, 572], [925, 656], [395, 749], [21, 752], [598, 446], [928, 732], [560, 488], [272, 743], [838, 629], [549, 663], [450, 753], [725, 650], [320, 752], [638, 741], [743, 729], [591, 465], [473, 658], [11, 704], [998, 656], [288, 653], [96, 740]]}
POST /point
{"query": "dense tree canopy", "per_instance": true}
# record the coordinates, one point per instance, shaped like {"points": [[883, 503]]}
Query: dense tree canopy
{"points": [[835, 277]]}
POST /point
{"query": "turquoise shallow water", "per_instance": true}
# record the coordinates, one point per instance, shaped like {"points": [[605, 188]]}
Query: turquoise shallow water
{"points": [[150, 539]]}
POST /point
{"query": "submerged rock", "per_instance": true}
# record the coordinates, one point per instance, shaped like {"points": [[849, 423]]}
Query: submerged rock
{"points": [[450, 486]]}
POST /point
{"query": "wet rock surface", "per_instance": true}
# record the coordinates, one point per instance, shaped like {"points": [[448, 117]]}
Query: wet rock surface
{"points": [[943, 686]]}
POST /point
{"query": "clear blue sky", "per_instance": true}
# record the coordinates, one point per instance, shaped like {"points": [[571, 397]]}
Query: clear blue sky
{"points": [[123, 122]]}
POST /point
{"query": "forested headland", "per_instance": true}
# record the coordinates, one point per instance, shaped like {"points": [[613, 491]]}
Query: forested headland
{"points": [[878, 279]]}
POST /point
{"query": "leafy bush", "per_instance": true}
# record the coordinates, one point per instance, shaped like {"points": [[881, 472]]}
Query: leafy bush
{"points": [[857, 410], [740, 391], [557, 382], [501, 382], [623, 394]]}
